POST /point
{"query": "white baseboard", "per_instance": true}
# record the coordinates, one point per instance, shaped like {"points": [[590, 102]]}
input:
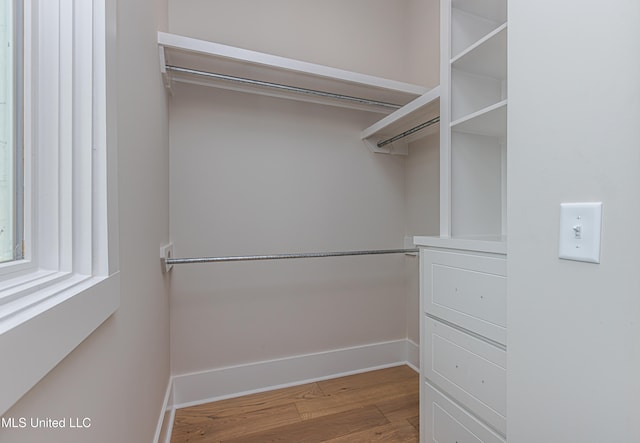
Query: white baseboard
{"points": [[222, 383], [413, 355], [165, 422]]}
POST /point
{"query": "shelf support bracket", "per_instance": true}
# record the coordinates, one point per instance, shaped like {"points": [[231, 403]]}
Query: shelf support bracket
{"points": [[166, 77]]}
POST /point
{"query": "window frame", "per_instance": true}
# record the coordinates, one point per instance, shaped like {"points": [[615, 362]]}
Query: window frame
{"points": [[67, 284]]}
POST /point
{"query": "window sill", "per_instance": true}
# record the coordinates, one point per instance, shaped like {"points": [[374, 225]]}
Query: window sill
{"points": [[21, 293], [34, 338]]}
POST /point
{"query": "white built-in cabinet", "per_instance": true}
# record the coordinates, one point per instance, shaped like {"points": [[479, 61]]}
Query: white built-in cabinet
{"points": [[473, 118], [463, 272], [463, 345]]}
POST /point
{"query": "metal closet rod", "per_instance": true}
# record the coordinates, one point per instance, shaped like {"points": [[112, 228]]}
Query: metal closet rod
{"points": [[281, 87], [408, 132], [184, 261]]}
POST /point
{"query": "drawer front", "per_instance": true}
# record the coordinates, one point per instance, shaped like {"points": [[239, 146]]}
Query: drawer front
{"points": [[470, 370], [445, 422], [467, 290]]}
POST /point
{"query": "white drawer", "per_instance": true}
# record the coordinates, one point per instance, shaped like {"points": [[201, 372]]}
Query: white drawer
{"points": [[467, 290], [470, 370], [446, 422]]}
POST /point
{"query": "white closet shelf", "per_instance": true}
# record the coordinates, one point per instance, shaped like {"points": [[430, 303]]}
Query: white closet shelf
{"points": [[491, 121], [485, 57], [496, 244], [189, 60], [414, 120]]}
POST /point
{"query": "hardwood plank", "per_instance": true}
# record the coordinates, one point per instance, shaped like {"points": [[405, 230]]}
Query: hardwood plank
{"points": [[332, 403], [253, 402], [372, 378], [415, 422], [307, 414], [319, 429], [400, 408], [202, 429], [392, 432]]}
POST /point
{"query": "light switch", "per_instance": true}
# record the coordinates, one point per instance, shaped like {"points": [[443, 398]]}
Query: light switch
{"points": [[580, 225]]}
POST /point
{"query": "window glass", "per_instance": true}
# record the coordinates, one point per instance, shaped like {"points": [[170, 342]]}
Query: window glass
{"points": [[10, 152]]}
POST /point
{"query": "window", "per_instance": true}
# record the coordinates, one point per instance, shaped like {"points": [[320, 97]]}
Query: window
{"points": [[58, 268], [10, 133]]}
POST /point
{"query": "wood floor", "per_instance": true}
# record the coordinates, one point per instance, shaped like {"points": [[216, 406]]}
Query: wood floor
{"points": [[377, 406]]}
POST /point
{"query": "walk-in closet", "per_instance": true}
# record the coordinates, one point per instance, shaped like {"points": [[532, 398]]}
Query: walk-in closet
{"points": [[320, 220], [274, 150], [273, 157]]}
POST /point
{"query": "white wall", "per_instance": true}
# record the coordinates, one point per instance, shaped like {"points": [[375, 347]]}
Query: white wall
{"points": [[574, 108], [424, 42], [118, 376], [254, 175], [422, 167], [422, 212], [369, 36]]}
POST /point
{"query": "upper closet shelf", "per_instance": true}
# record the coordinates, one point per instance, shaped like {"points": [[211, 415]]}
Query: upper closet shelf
{"points": [[189, 60], [392, 134]]}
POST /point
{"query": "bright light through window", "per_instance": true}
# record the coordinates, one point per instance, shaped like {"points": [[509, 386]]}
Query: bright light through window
{"points": [[10, 152]]}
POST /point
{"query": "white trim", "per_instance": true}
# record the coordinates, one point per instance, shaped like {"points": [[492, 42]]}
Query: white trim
{"points": [[235, 381], [169, 425], [167, 415], [32, 348], [413, 355]]}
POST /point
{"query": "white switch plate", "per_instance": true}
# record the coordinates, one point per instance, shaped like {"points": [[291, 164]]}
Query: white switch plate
{"points": [[580, 225]]}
